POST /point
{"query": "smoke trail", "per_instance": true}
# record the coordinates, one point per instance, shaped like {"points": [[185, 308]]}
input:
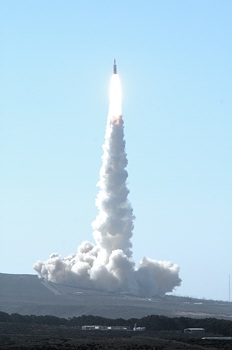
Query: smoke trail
{"points": [[114, 224], [108, 264]]}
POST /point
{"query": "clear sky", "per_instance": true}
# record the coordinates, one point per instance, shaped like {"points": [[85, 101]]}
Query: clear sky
{"points": [[174, 60]]}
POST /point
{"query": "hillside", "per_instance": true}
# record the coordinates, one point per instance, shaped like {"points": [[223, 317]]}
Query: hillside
{"points": [[27, 295]]}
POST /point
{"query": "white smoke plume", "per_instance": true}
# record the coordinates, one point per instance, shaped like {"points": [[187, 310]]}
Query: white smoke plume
{"points": [[108, 264]]}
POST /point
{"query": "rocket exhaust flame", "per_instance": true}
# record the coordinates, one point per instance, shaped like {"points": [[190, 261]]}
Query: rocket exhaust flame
{"points": [[108, 265], [115, 108]]}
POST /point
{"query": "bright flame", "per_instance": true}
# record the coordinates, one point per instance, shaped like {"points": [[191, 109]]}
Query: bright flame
{"points": [[115, 109]]}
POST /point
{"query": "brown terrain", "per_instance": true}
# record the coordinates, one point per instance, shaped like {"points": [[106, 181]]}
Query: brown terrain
{"points": [[25, 337], [28, 295]]}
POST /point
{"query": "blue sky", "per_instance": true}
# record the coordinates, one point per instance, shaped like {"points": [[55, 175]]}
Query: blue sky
{"points": [[174, 60]]}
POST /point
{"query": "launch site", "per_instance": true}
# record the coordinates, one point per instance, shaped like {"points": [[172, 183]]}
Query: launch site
{"points": [[116, 175]]}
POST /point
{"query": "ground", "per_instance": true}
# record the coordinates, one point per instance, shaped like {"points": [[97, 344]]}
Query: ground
{"points": [[29, 295], [25, 337]]}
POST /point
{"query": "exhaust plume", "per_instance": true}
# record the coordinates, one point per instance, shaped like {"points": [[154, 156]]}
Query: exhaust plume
{"points": [[108, 265]]}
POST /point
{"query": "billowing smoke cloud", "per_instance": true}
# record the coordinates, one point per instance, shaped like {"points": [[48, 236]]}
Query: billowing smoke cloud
{"points": [[108, 264]]}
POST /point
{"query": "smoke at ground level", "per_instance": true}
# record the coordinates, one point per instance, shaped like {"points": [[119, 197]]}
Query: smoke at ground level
{"points": [[87, 269]]}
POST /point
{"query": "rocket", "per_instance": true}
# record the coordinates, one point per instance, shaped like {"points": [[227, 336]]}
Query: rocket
{"points": [[114, 67]]}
